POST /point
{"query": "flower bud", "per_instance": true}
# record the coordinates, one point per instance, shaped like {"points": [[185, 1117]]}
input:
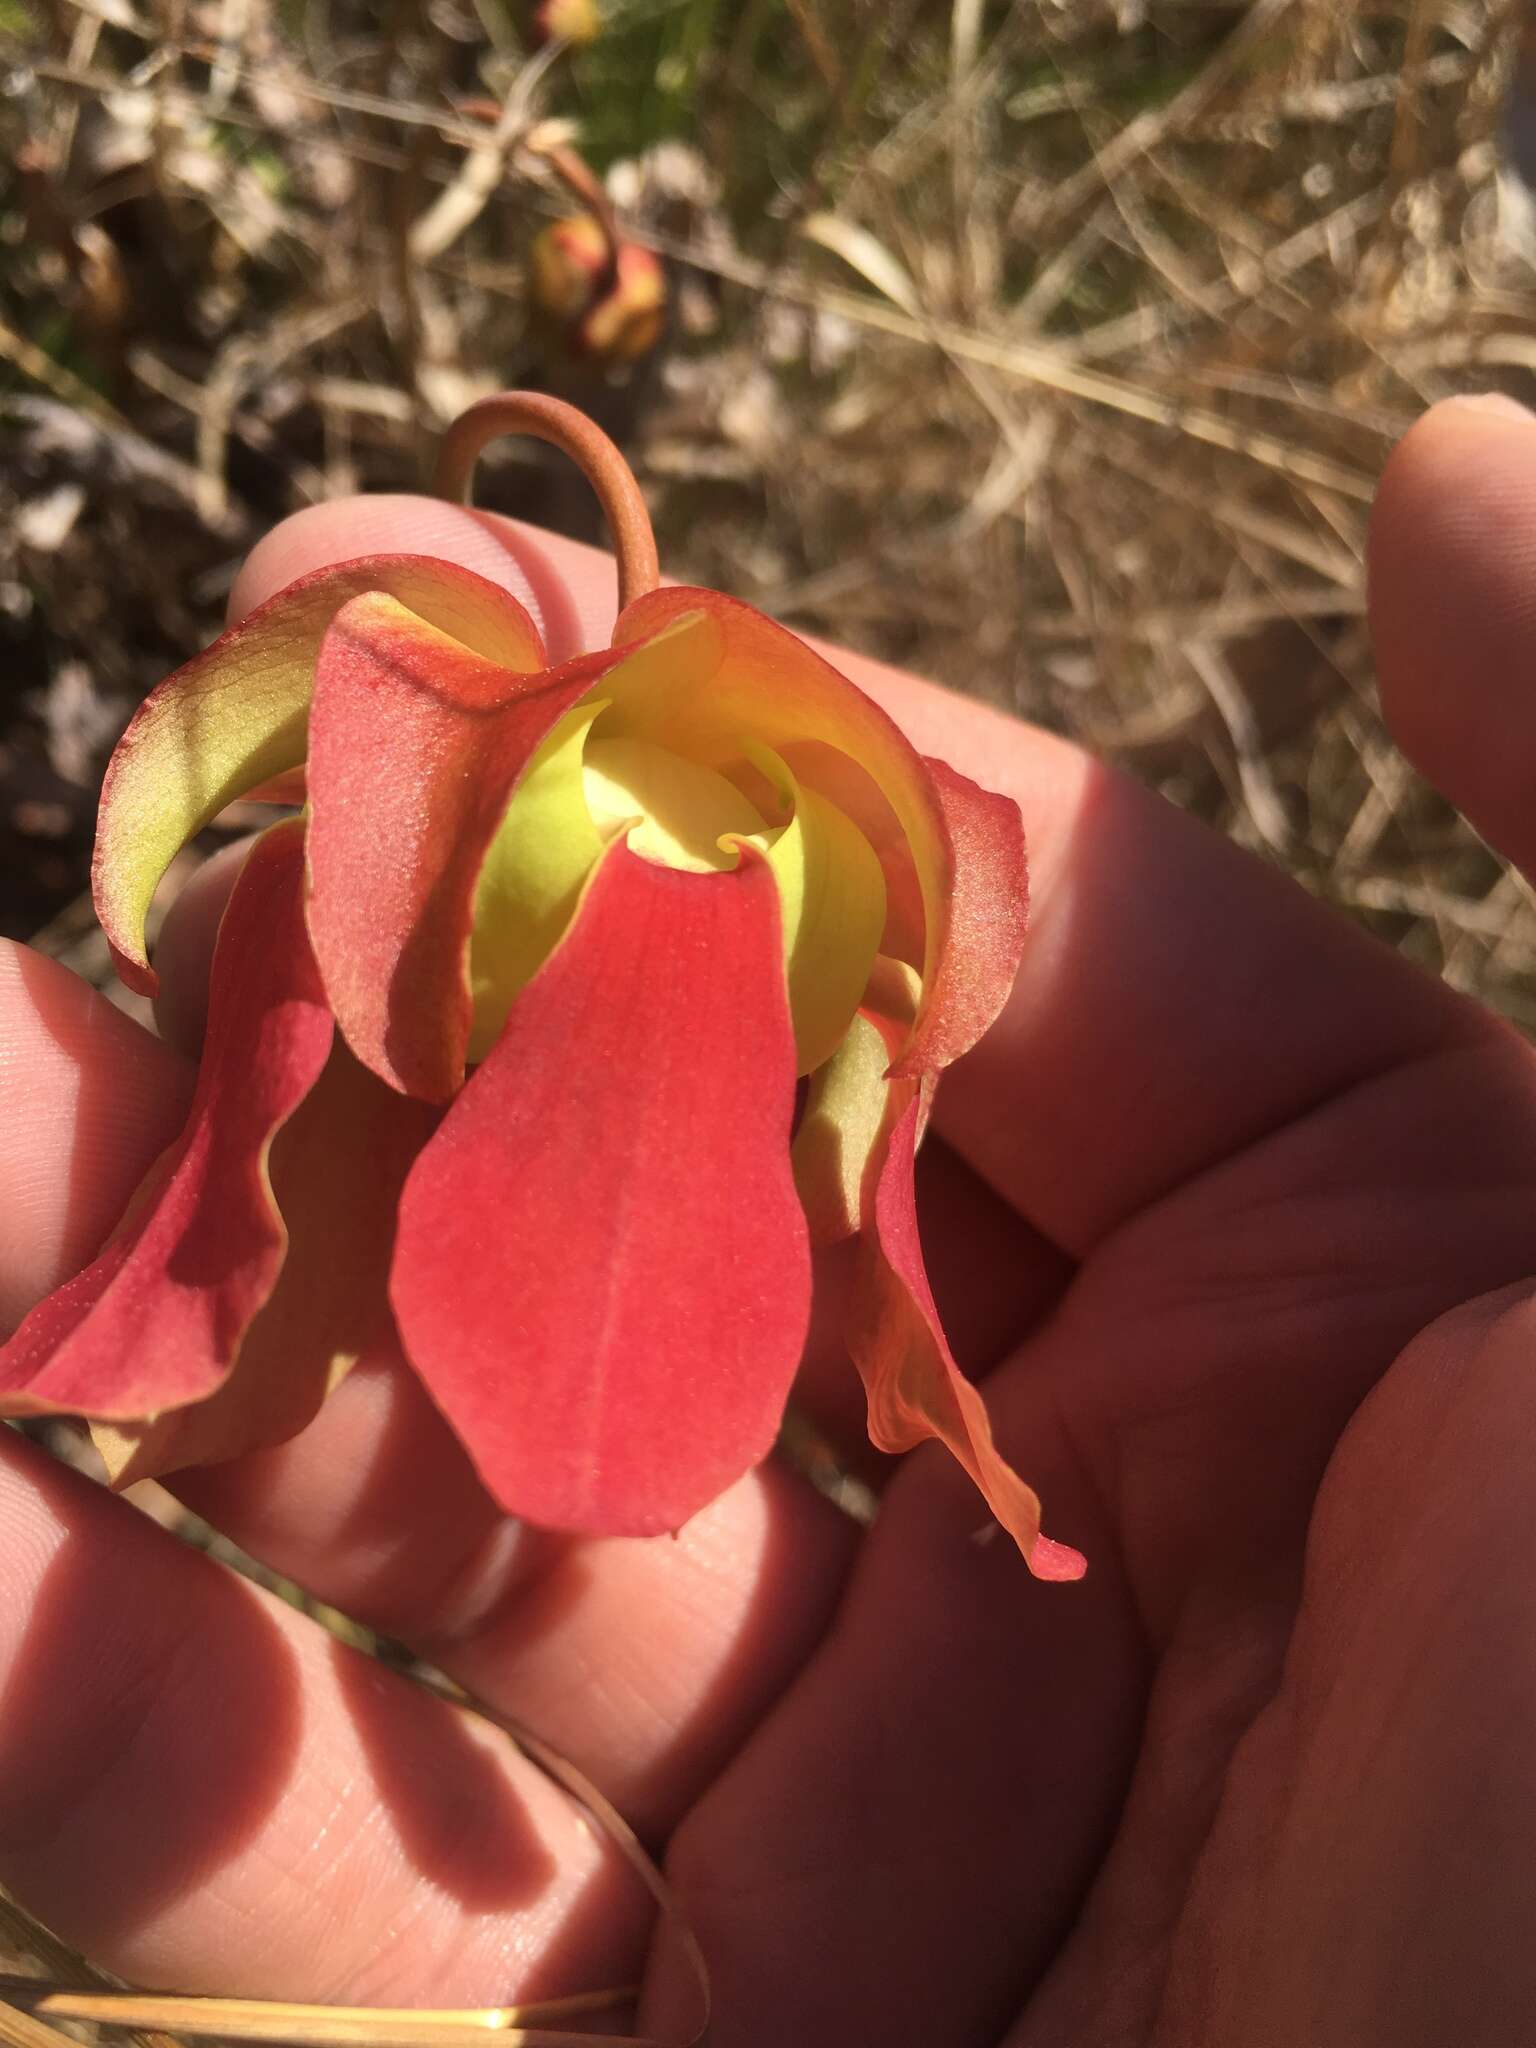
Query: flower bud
{"points": [[600, 302], [567, 21]]}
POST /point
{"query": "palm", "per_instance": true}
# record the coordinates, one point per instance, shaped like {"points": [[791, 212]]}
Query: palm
{"points": [[1182, 1396], [1220, 1164], [1219, 1347]]}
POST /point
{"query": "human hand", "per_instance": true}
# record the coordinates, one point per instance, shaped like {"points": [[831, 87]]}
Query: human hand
{"points": [[1189, 1207]]}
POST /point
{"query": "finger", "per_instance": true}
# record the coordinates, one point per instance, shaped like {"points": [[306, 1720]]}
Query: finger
{"points": [[905, 1842], [1368, 1874], [570, 590], [1453, 610], [184, 1760], [645, 1663], [184, 949], [89, 1100]]}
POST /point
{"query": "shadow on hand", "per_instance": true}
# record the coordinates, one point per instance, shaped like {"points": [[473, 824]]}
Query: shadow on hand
{"points": [[150, 1725], [447, 1793]]}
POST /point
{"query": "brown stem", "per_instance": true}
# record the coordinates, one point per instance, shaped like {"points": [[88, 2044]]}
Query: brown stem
{"points": [[573, 171], [550, 419]]}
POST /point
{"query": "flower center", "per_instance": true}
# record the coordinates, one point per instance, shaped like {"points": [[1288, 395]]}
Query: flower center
{"points": [[683, 809]]}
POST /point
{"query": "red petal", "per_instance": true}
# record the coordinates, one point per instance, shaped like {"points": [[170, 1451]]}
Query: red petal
{"points": [[988, 913], [601, 1271], [415, 748], [916, 1391], [155, 1322], [337, 1168], [234, 717], [762, 682]]}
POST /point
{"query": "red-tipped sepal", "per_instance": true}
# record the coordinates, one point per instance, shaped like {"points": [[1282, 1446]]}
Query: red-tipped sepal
{"points": [[916, 1391], [984, 922], [601, 1269], [415, 747], [156, 1320]]}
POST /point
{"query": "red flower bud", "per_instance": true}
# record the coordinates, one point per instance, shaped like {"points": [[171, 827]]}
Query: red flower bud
{"points": [[605, 301]]}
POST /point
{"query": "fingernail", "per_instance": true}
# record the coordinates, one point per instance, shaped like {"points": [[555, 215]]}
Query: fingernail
{"points": [[1496, 404]]}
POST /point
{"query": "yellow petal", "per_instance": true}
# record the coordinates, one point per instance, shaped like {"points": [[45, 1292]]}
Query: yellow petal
{"points": [[532, 875], [686, 813], [832, 901]]}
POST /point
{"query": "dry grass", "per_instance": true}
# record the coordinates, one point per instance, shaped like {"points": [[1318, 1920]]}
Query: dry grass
{"points": [[1051, 348]]}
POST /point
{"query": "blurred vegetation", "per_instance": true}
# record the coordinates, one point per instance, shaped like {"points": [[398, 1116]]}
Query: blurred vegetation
{"points": [[1049, 346]]}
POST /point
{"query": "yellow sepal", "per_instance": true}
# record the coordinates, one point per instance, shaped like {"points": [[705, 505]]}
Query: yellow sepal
{"points": [[832, 901], [844, 1115], [533, 875]]}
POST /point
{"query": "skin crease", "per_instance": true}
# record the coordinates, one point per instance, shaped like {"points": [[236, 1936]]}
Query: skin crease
{"points": [[1235, 1211]]}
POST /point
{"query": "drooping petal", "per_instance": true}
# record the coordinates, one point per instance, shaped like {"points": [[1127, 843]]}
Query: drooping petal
{"points": [[601, 1271], [915, 1389], [764, 683], [988, 907], [234, 717], [415, 749], [337, 1167], [156, 1320], [832, 905], [532, 875]]}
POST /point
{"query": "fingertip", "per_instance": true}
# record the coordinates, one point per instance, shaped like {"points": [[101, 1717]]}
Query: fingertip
{"points": [[91, 1100], [569, 589], [1452, 581], [184, 949]]}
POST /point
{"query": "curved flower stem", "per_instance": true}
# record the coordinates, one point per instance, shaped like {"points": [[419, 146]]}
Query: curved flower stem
{"points": [[543, 418]]}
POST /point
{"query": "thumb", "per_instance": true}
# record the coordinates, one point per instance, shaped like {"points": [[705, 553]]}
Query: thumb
{"points": [[1452, 561]]}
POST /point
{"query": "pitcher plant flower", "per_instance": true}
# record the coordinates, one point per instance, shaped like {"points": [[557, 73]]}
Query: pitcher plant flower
{"points": [[576, 1006]]}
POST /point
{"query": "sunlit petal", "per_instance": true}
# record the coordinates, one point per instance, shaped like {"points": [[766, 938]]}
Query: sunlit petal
{"points": [[832, 901], [416, 747], [236, 715], [916, 1391], [602, 1272], [532, 876], [765, 682]]}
